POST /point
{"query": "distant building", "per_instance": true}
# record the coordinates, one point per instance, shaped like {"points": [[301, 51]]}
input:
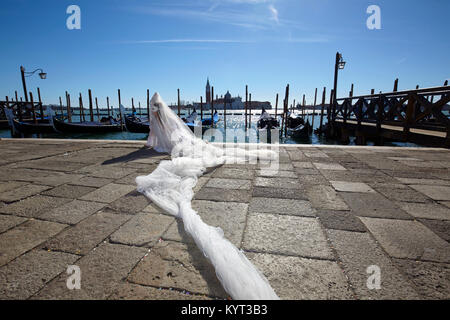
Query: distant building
{"points": [[233, 103]]}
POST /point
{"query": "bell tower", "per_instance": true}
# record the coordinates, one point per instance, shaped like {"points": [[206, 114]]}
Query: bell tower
{"points": [[208, 92]]}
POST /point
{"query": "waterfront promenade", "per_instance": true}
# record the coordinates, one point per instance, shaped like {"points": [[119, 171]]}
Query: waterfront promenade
{"points": [[313, 228]]}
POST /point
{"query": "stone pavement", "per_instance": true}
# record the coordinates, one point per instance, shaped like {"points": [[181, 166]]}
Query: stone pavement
{"points": [[313, 228]]}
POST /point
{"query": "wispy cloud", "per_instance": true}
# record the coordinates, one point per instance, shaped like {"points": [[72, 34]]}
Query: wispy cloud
{"points": [[183, 41], [274, 13]]}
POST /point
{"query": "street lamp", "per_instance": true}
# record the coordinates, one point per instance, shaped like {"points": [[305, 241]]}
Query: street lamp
{"points": [[339, 65], [24, 74]]}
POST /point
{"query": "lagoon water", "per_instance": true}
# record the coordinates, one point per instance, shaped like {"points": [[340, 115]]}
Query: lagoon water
{"points": [[235, 120]]}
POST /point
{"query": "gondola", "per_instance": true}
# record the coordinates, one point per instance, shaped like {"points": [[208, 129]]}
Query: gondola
{"points": [[265, 127], [297, 128], [209, 122], [31, 127], [87, 127], [4, 124], [137, 125]]}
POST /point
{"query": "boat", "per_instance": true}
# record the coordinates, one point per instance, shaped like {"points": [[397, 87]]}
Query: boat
{"points": [[209, 121], [265, 127], [109, 125], [297, 128], [31, 127], [137, 125], [4, 124]]}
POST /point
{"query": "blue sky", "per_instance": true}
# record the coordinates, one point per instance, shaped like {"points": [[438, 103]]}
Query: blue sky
{"points": [[163, 45]]}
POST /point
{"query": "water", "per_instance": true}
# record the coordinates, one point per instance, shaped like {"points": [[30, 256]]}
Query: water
{"points": [[235, 120]]}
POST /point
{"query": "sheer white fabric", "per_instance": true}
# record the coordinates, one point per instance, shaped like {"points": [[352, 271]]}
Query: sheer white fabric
{"points": [[170, 187]]}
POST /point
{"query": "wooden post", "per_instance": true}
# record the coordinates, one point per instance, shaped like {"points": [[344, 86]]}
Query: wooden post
{"points": [[372, 92], [179, 107], [379, 114], [148, 104], [80, 105], [19, 108], [303, 107], [91, 108], [224, 113], [250, 111], [446, 83], [351, 91], [212, 106], [314, 108], [139, 108], [98, 112], [286, 103], [330, 108], [246, 105], [61, 107], [120, 103], [69, 114], [417, 87], [41, 109], [396, 85], [201, 108], [107, 106], [133, 109], [293, 107], [276, 106], [32, 108], [322, 109]]}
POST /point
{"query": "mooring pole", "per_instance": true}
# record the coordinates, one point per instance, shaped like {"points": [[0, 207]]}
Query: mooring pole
{"points": [[201, 108], [148, 104], [107, 106], [120, 103], [41, 109], [98, 112], [314, 108], [276, 106], [246, 105], [91, 108], [322, 108], [179, 107]]}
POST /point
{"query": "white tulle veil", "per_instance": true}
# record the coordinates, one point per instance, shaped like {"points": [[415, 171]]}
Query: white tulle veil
{"points": [[170, 186]]}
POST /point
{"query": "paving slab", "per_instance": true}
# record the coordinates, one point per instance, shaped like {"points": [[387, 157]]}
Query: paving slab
{"points": [[130, 203], [282, 206], [276, 173], [357, 251], [325, 197], [178, 265], [284, 183], [408, 240], [87, 234], [34, 206], [328, 166], [224, 195], [69, 191], [295, 278], [10, 185], [143, 229], [229, 216], [176, 232], [30, 272], [441, 228], [373, 205], [130, 291], [399, 192], [345, 186], [302, 164], [434, 192], [340, 220], [22, 192], [426, 210], [288, 235], [72, 212], [7, 222], [233, 173], [233, 184], [102, 271], [430, 182], [432, 280], [91, 181], [106, 171], [108, 193], [24, 237], [280, 193]]}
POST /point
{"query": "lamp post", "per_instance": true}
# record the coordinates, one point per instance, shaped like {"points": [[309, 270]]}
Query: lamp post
{"points": [[24, 74], [339, 65]]}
